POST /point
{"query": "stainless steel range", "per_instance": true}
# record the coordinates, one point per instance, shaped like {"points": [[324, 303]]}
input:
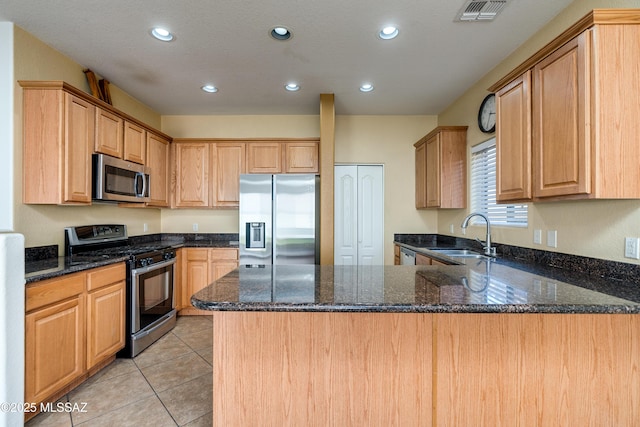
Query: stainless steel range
{"points": [[150, 279]]}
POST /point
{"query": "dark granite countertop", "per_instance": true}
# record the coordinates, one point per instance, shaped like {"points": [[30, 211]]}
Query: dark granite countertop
{"points": [[45, 264], [476, 287]]}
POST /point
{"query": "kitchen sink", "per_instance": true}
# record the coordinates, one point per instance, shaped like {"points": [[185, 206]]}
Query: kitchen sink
{"points": [[462, 253]]}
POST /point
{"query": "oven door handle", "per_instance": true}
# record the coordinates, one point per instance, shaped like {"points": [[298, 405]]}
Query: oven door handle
{"points": [[138, 271]]}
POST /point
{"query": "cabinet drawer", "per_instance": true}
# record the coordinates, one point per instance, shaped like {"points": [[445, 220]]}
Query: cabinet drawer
{"points": [[54, 290], [200, 254], [219, 254], [105, 276]]}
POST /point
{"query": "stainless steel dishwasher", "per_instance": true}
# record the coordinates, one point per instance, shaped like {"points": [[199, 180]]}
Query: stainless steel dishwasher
{"points": [[407, 257]]}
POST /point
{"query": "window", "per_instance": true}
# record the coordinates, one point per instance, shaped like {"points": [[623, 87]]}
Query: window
{"points": [[483, 189]]}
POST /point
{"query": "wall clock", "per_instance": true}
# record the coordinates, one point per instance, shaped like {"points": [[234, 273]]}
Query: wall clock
{"points": [[487, 114]]}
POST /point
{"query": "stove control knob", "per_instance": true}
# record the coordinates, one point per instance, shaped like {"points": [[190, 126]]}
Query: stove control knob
{"points": [[143, 262], [169, 255], [149, 261]]}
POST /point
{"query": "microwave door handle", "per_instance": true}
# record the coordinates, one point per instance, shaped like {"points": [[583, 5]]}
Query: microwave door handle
{"points": [[140, 175]]}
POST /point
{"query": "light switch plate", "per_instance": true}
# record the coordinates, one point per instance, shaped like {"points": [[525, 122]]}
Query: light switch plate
{"points": [[537, 236], [552, 238]]}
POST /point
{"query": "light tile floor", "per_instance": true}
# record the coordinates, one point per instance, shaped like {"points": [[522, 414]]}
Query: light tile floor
{"points": [[168, 384]]}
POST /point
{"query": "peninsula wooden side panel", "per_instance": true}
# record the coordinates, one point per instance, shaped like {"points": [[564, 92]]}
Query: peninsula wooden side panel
{"points": [[335, 369]]}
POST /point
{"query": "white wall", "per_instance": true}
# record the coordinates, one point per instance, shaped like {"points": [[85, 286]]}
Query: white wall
{"points": [[6, 126]]}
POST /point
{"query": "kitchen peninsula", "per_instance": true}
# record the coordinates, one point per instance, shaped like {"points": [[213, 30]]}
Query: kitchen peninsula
{"points": [[474, 344]]}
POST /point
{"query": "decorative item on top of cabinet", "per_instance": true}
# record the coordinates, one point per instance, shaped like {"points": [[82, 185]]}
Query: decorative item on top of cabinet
{"points": [[583, 125], [441, 168]]}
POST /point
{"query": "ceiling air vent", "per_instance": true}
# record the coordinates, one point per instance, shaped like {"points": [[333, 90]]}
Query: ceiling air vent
{"points": [[481, 10]]}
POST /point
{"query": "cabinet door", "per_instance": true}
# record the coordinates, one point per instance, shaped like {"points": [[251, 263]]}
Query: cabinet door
{"points": [[301, 157], [135, 143], [222, 261], [109, 133], [561, 150], [197, 270], [54, 348], [192, 175], [79, 133], [513, 140], [228, 162], [158, 162], [433, 171], [421, 176], [264, 157], [423, 260], [105, 322]]}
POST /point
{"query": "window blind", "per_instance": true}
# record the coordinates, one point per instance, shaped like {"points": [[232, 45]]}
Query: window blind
{"points": [[483, 189]]}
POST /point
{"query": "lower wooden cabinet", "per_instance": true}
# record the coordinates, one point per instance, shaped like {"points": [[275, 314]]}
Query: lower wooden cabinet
{"points": [[200, 267], [73, 325], [105, 313]]}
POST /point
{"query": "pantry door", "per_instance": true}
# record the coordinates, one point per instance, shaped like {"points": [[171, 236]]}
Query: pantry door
{"points": [[359, 215]]}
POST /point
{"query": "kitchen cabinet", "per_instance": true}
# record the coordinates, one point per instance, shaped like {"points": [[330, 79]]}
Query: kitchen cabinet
{"points": [[105, 313], [54, 336], [62, 127], [58, 132], [201, 266], [74, 325], [301, 157], [228, 163], [426, 260], [441, 165], [135, 143], [396, 255], [513, 140], [109, 137], [282, 157], [264, 157], [157, 157], [583, 123], [192, 174]]}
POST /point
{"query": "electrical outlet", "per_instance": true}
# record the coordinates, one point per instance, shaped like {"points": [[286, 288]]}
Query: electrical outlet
{"points": [[451, 229], [552, 238], [537, 236], [195, 226], [632, 247], [145, 227]]}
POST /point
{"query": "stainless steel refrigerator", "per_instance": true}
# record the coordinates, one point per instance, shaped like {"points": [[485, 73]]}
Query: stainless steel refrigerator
{"points": [[279, 219]]}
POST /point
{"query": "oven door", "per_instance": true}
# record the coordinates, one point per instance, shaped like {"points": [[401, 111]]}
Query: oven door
{"points": [[152, 294]]}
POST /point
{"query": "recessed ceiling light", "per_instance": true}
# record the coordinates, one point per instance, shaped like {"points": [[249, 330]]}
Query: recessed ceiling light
{"points": [[292, 87], [280, 33], [388, 33], [367, 87], [209, 88], [162, 34]]}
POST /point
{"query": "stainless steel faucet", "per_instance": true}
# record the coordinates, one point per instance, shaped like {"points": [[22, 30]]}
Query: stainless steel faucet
{"points": [[488, 250]]}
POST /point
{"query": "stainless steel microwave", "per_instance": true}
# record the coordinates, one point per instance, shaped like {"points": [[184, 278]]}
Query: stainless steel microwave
{"points": [[117, 180]]}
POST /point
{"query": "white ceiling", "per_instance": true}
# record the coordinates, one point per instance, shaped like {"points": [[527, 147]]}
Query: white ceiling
{"points": [[334, 49]]}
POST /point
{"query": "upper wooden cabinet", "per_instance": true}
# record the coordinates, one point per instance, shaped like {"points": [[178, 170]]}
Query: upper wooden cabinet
{"points": [[584, 126], [62, 127], [513, 136], [441, 168], [192, 174], [282, 157], [58, 141], [158, 161], [227, 164], [135, 143], [301, 157], [109, 133], [264, 157]]}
